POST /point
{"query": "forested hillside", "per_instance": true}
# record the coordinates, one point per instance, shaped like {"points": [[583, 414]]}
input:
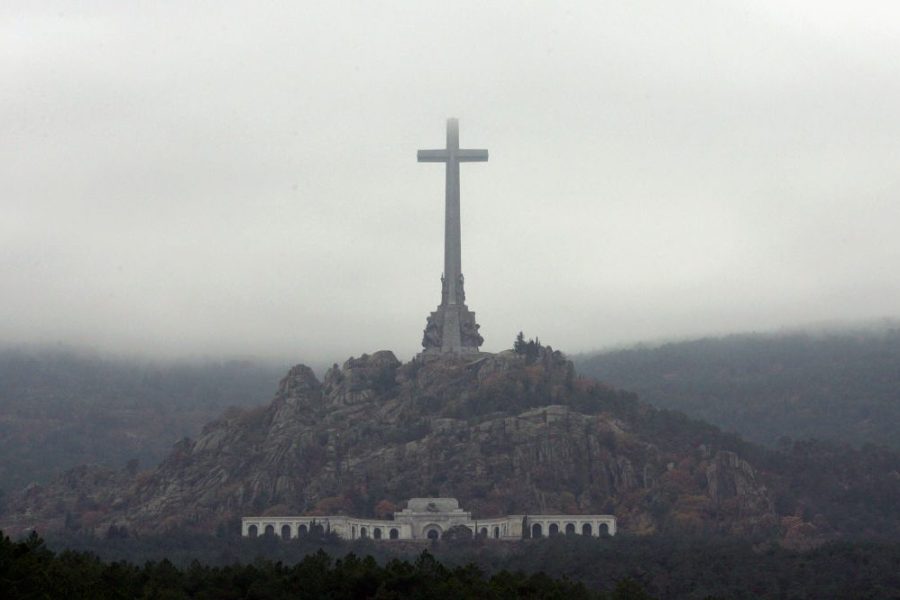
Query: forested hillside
{"points": [[59, 409], [838, 386]]}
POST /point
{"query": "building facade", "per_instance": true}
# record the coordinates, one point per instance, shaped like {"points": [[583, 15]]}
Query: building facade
{"points": [[429, 519]]}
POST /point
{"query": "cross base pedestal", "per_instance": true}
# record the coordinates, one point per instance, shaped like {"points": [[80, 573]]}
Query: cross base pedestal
{"points": [[451, 329]]}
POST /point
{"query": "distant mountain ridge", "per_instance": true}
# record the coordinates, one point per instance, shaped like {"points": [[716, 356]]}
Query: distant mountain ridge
{"points": [[64, 408], [842, 386]]}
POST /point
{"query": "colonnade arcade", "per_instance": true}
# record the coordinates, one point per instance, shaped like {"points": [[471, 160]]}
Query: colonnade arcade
{"points": [[344, 527], [506, 528], [536, 526], [284, 529], [430, 519]]}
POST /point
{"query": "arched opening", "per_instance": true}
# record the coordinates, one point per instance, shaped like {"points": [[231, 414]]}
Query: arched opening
{"points": [[433, 532], [317, 529], [497, 533], [554, 529], [603, 529], [376, 533], [270, 530], [570, 529], [353, 532], [536, 530], [483, 532], [253, 531], [586, 529], [394, 534], [302, 530], [285, 532], [363, 532]]}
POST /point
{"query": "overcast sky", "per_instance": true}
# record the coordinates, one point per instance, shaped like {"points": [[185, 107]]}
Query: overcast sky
{"points": [[241, 177]]}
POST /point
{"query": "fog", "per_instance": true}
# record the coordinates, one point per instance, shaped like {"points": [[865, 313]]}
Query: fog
{"points": [[240, 178]]}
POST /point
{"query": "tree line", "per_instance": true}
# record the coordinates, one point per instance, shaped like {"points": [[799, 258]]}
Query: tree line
{"points": [[28, 569], [625, 566]]}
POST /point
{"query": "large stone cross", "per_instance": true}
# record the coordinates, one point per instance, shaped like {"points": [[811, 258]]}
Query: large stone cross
{"points": [[452, 155], [452, 327]]}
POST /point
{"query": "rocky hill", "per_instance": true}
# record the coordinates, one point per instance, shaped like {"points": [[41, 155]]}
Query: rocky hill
{"points": [[504, 433]]}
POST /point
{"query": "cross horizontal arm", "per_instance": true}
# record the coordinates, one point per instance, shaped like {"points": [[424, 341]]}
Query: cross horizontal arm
{"points": [[433, 156], [472, 155]]}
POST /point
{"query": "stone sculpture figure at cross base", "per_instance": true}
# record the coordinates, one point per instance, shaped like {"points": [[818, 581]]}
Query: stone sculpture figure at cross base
{"points": [[452, 329]]}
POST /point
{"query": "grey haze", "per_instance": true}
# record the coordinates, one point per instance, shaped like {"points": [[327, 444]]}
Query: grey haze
{"points": [[241, 177]]}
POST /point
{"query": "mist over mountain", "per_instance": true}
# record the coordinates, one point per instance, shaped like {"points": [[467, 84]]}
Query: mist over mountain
{"points": [[841, 385], [60, 408]]}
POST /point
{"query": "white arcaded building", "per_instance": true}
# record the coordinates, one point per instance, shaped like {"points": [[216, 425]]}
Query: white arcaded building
{"points": [[428, 519]]}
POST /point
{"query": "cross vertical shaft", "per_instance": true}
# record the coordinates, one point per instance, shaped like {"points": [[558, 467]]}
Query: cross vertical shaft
{"points": [[452, 328], [452, 155], [452, 227]]}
